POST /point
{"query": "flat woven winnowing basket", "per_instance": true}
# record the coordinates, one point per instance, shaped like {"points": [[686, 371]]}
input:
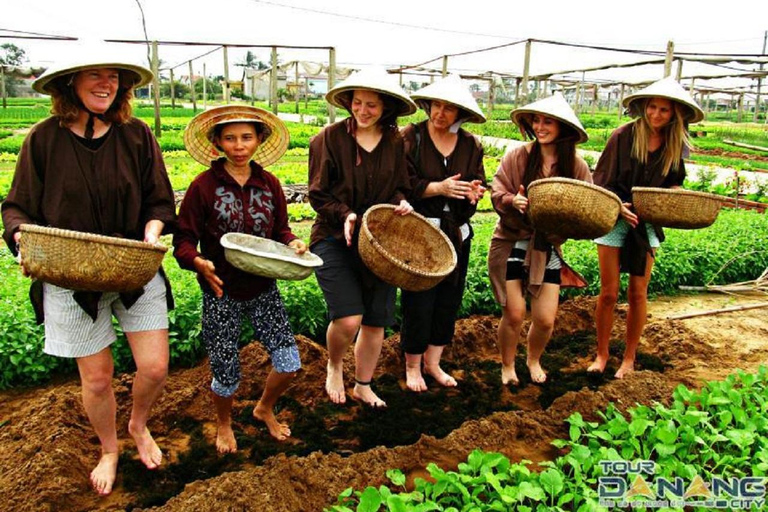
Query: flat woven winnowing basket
{"points": [[88, 262], [572, 208], [405, 250], [676, 208]]}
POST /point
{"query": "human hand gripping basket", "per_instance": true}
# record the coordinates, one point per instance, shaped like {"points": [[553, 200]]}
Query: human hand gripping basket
{"points": [[675, 208], [572, 208], [267, 258], [88, 262], [405, 250]]}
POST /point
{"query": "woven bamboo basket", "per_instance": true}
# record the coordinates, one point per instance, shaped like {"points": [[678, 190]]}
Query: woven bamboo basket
{"points": [[405, 250], [88, 262], [572, 208], [676, 208], [267, 258]]}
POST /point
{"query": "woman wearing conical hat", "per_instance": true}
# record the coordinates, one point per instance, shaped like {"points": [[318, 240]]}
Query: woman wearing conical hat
{"points": [[447, 180], [236, 194], [647, 152], [354, 164], [93, 167], [521, 259]]}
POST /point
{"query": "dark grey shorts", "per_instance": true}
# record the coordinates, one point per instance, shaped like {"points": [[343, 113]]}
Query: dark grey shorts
{"points": [[350, 288]]}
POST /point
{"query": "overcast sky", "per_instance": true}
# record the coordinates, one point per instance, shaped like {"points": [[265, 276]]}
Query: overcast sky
{"points": [[409, 32]]}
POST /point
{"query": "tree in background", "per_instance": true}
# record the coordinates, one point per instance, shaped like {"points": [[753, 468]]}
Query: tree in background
{"points": [[11, 56]]}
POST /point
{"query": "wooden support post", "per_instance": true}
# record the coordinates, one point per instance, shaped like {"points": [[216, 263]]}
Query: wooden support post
{"points": [[253, 89], [741, 108], [273, 81], [298, 86], [491, 97], [679, 75], [526, 69], [173, 92], [192, 87], [156, 88], [2, 86], [545, 86], [594, 99], [401, 77], [331, 82], [621, 102], [205, 88], [668, 59], [226, 76], [306, 92], [580, 93], [760, 83], [517, 90], [445, 65]]}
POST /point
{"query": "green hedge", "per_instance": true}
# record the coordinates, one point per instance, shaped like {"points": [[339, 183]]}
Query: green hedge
{"points": [[686, 258]]}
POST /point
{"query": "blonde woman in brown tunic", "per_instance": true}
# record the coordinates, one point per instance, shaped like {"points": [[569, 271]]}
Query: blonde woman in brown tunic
{"points": [[647, 152], [520, 258], [355, 164]]}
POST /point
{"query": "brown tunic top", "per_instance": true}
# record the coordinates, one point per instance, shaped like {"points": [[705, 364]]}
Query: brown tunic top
{"points": [[113, 190], [344, 178], [514, 226], [618, 172]]}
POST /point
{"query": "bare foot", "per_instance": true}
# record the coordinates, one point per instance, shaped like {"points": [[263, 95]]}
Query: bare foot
{"points": [[334, 384], [103, 475], [440, 376], [625, 369], [225, 439], [279, 431], [365, 394], [509, 375], [599, 365], [149, 452], [537, 372], [413, 378]]}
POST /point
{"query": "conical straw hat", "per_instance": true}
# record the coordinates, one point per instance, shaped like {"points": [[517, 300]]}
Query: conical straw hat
{"points": [[198, 136], [552, 106], [132, 74], [373, 79], [453, 90], [665, 88]]}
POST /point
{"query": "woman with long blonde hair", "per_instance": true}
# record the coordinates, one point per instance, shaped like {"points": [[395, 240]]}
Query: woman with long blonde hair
{"points": [[647, 152]]}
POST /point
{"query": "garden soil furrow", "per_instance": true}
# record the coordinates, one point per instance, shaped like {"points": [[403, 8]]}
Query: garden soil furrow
{"points": [[47, 447]]}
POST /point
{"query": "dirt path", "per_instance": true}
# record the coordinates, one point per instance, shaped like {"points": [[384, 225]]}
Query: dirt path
{"points": [[47, 447]]}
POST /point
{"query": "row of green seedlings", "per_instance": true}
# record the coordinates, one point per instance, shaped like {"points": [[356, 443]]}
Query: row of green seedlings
{"points": [[730, 251], [719, 433]]}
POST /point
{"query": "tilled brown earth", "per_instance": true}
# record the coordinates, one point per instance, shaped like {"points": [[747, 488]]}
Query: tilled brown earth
{"points": [[47, 447]]}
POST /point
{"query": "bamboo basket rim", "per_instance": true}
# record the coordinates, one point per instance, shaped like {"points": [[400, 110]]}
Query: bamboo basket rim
{"points": [[68, 234], [380, 249], [572, 181], [311, 260], [679, 192]]}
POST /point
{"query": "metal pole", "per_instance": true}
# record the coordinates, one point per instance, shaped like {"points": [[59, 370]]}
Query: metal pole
{"points": [[273, 81], [173, 92], [298, 87], [668, 59], [156, 88], [760, 82], [331, 82], [526, 68], [192, 86], [621, 102], [226, 76], [2, 86]]}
